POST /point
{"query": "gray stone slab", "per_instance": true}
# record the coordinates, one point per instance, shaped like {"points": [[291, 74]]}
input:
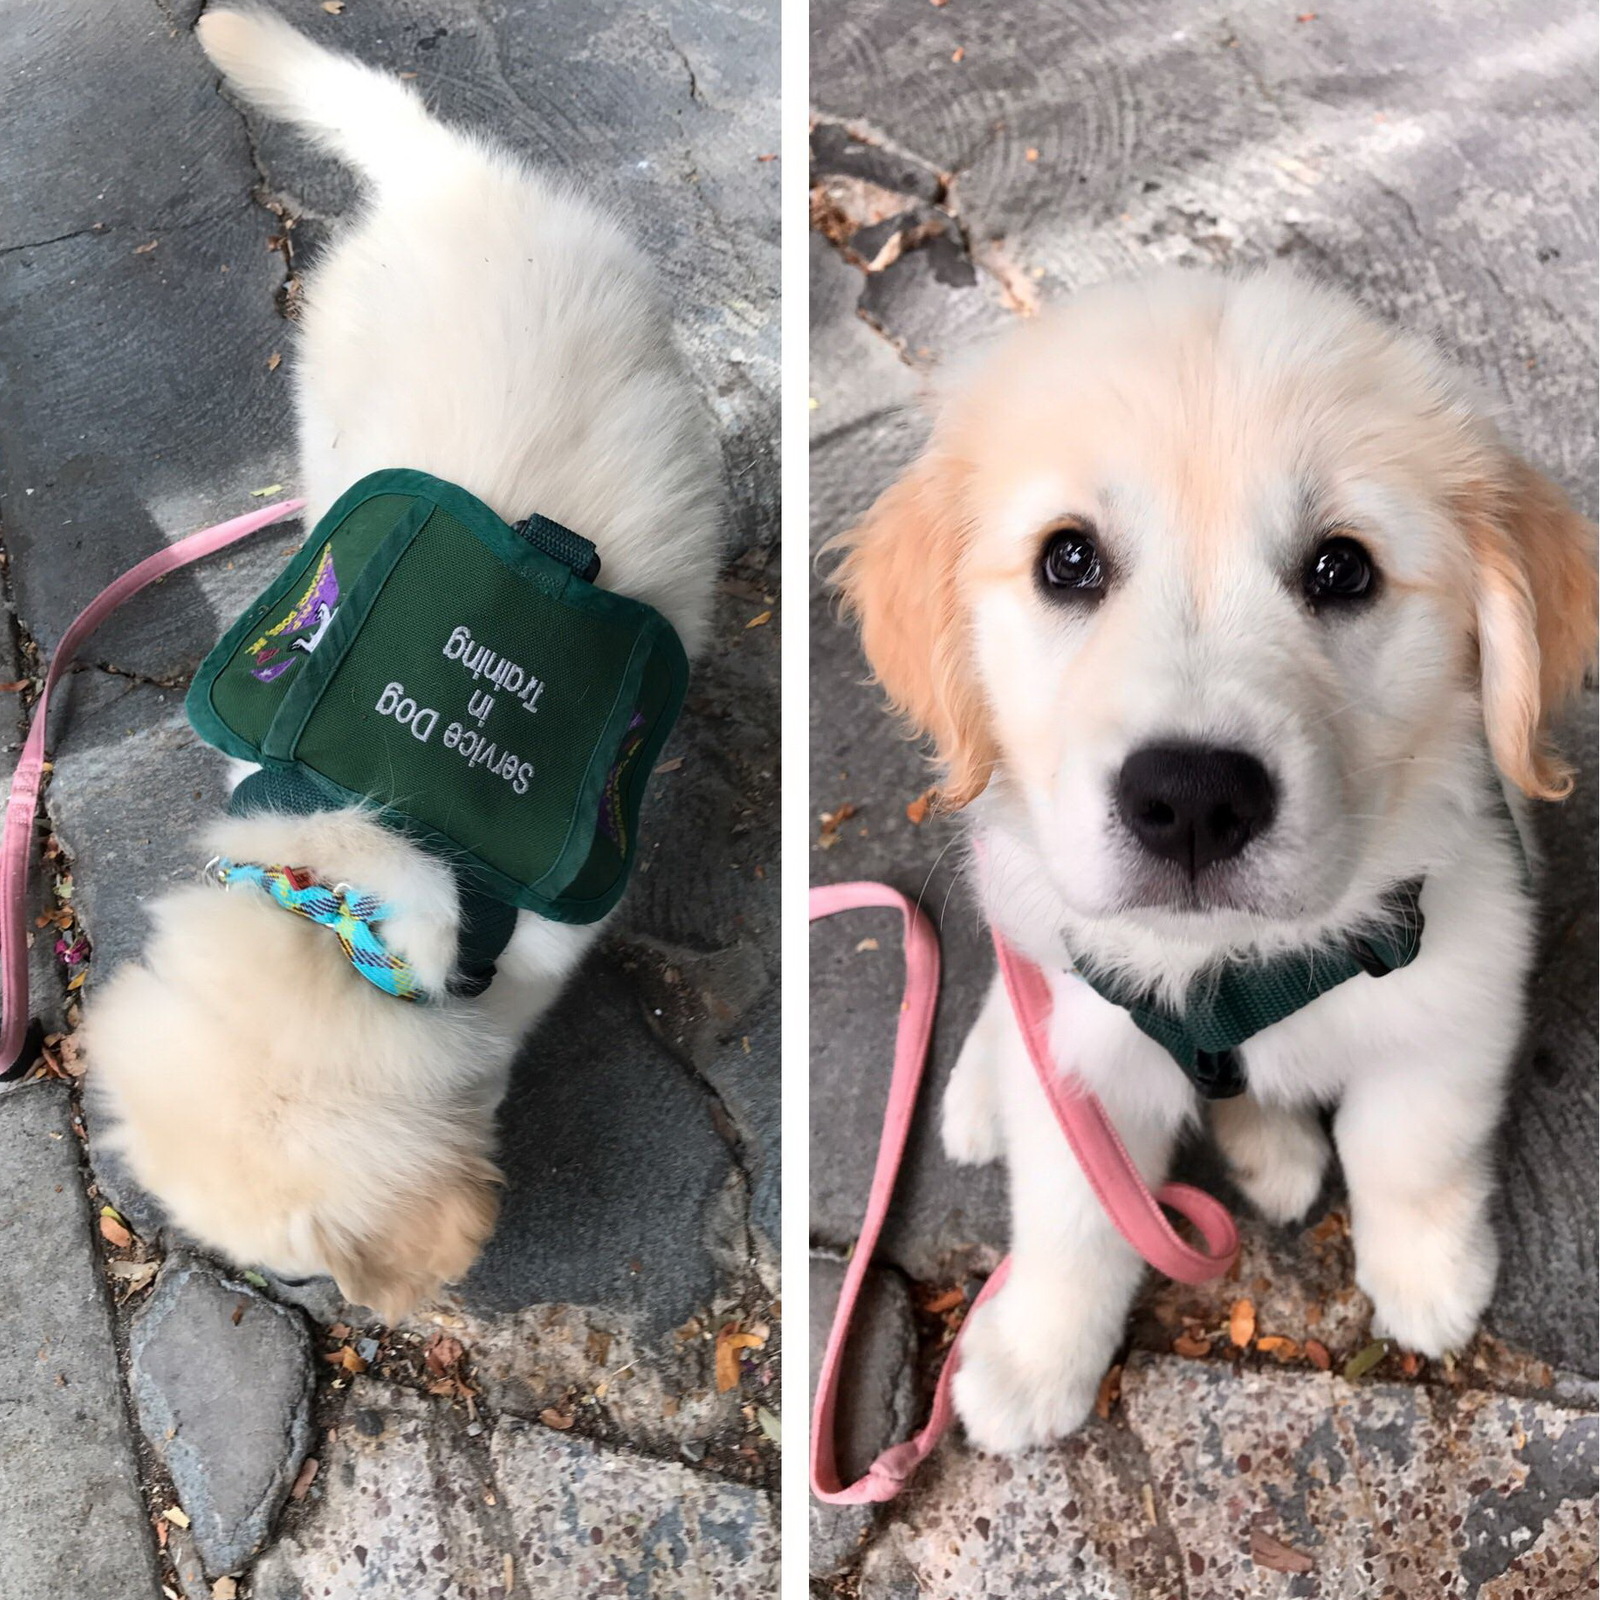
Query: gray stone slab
{"points": [[72, 1521], [612, 1165], [1435, 160], [221, 1377], [1386, 1489], [403, 1506], [877, 1397], [594, 1521]]}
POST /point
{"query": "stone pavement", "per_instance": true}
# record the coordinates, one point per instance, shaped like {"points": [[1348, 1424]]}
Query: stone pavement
{"points": [[164, 1420], [972, 161]]}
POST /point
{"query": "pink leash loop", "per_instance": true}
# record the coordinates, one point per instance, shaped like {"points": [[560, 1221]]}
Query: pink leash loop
{"points": [[15, 846], [1105, 1161]]}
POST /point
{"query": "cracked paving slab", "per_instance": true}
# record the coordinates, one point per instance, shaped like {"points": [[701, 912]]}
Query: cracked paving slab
{"points": [[1436, 161], [1230, 1487], [72, 1522]]}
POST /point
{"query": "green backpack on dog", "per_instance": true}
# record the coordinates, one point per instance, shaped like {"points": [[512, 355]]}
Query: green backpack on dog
{"points": [[464, 677]]}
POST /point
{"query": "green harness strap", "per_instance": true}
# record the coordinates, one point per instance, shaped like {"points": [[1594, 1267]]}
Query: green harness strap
{"points": [[1228, 1004]]}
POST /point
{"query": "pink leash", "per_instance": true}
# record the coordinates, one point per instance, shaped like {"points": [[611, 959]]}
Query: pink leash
{"points": [[15, 847], [1115, 1179]]}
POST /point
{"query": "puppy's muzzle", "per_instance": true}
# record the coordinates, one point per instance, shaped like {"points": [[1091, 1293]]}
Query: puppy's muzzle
{"points": [[1193, 804]]}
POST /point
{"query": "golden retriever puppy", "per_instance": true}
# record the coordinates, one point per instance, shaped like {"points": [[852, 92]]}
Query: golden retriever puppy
{"points": [[1238, 630], [488, 326]]}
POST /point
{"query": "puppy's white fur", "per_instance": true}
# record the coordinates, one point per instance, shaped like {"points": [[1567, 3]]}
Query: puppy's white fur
{"points": [[490, 326], [1212, 429]]}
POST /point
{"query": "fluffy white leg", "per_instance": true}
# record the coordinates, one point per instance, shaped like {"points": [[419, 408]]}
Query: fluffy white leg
{"points": [[1278, 1154], [1033, 1357], [971, 1111], [1416, 1150]]}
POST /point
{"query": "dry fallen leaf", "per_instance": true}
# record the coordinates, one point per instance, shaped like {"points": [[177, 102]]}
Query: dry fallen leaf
{"points": [[1275, 1555], [730, 1341], [274, 361], [113, 1231], [760, 621], [304, 1478], [442, 1354], [947, 1301], [917, 811], [1274, 1344], [959, 54], [1242, 1323], [225, 1589], [1110, 1393], [1364, 1360], [177, 1516], [866, 944], [145, 249], [552, 1418], [1317, 1355], [1191, 1345]]}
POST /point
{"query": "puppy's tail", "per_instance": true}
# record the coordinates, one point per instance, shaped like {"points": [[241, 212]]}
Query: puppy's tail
{"points": [[368, 118]]}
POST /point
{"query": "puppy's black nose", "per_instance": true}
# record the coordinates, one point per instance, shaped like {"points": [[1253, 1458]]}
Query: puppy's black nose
{"points": [[1192, 804]]}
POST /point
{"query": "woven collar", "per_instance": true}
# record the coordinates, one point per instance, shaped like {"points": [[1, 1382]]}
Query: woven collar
{"points": [[487, 923], [1229, 1003], [352, 914]]}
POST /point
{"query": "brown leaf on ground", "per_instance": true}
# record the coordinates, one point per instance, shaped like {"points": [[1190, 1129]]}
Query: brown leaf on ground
{"points": [[1275, 1555], [758, 621], [730, 1341], [553, 1418], [832, 821], [304, 1478], [1274, 1344], [1317, 1355], [442, 1354], [597, 1347], [1192, 1345], [946, 1300], [113, 1231], [1242, 1323], [225, 1589], [917, 811], [1110, 1393]]}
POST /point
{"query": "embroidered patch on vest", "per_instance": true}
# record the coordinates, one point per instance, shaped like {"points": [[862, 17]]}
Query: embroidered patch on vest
{"points": [[424, 656]]}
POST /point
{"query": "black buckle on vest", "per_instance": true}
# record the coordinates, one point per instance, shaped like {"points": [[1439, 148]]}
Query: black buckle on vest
{"points": [[1219, 1075]]}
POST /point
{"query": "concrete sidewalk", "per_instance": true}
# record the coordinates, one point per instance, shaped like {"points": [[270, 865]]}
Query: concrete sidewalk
{"points": [[166, 1420], [1439, 161]]}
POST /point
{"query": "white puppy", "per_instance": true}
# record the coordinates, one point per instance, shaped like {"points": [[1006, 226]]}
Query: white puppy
{"points": [[489, 326], [1229, 612]]}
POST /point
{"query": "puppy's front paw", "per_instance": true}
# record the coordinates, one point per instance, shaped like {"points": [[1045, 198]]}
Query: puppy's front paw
{"points": [[970, 1119], [1014, 1389], [1276, 1156], [1429, 1282]]}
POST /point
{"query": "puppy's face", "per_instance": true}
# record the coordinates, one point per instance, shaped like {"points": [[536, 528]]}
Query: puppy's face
{"points": [[1219, 575]]}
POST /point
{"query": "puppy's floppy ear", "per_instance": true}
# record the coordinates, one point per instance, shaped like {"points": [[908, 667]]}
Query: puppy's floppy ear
{"points": [[419, 1243], [1535, 600], [900, 577]]}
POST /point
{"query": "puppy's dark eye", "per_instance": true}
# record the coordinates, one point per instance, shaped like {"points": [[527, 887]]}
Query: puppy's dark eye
{"points": [[1071, 560], [1340, 570]]}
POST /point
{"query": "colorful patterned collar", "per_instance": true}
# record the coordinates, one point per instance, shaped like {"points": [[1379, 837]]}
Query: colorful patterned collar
{"points": [[351, 913]]}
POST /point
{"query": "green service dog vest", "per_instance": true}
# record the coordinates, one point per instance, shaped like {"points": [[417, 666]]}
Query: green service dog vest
{"points": [[465, 677]]}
